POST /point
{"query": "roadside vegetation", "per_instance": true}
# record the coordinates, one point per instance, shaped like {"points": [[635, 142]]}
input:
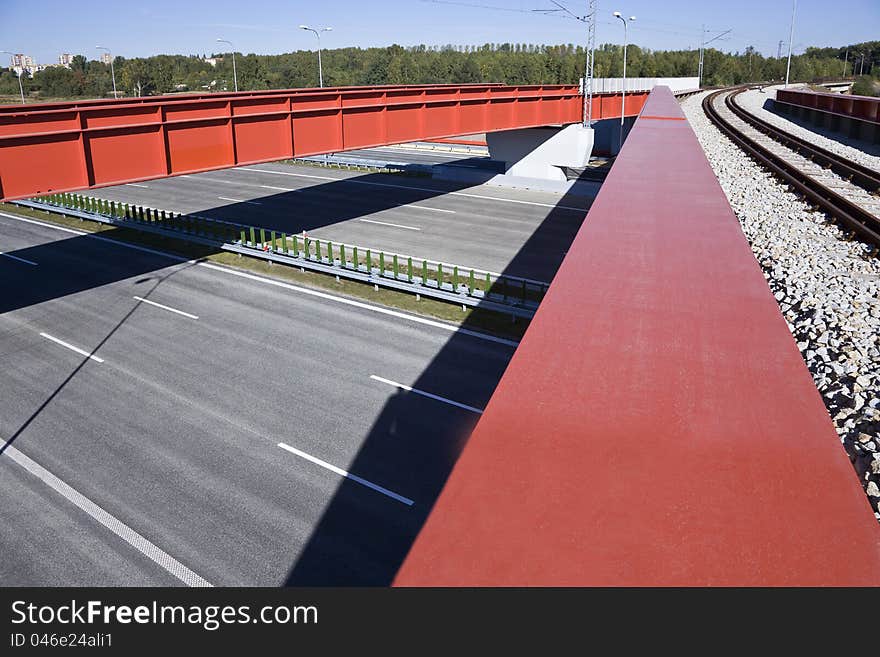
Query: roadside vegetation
{"points": [[473, 318]]}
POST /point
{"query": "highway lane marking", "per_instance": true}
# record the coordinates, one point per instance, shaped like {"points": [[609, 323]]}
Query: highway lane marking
{"points": [[24, 260], [168, 308], [238, 200], [385, 223], [137, 185], [287, 286], [81, 352], [114, 524], [429, 395], [423, 207], [346, 474], [417, 189]]}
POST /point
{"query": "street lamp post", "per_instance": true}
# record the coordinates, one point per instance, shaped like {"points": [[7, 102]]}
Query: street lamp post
{"points": [[20, 87], [318, 34], [112, 72], [623, 96], [234, 74], [790, 39]]}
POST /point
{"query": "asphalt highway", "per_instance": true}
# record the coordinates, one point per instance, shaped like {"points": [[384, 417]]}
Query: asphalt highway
{"points": [[520, 232], [170, 422]]}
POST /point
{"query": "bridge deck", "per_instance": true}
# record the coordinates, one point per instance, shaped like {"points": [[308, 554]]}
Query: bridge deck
{"points": [[657, 425]]}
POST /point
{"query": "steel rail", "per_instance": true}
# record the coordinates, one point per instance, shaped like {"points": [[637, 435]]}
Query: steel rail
{"points": [[864, 177], [856, 219]]}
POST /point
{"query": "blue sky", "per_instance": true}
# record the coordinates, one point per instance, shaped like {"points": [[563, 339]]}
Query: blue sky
{"points": [[48, 27]]}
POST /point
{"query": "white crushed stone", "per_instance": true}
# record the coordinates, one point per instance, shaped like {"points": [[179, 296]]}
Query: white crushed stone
{"points": [[828, 290]]}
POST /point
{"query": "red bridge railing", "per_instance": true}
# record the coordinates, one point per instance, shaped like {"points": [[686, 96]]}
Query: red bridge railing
{"points": [[657, 424]]}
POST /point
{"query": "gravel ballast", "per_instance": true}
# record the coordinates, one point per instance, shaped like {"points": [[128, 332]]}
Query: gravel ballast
{"points": [[828, 290]]}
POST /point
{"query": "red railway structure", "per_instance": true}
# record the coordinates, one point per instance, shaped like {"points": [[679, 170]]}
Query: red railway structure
{"points": [[71, 146]]}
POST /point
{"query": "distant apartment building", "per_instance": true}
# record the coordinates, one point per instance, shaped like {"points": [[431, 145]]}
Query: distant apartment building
{"points": [[213, 61], [105, 58], [65, 59], [21, 62]]}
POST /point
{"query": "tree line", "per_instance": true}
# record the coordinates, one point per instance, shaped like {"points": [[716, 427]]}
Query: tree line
{"points": [[508, 63]]}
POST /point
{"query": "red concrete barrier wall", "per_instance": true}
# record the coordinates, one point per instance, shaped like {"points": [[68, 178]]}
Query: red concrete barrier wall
{"points": [[657, 425], [864, 108]]}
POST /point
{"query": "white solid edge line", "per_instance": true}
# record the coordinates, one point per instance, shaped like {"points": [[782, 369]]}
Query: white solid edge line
{"points": [[395, 384], [25, 261], [114, 524], [414, 188], [385, 223], [286, 286], [346, 474], [137, 185], [168, 308], [81, 352], [238, 200]]}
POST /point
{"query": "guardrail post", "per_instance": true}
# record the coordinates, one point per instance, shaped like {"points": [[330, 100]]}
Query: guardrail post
{"points": [[262, 238], [455, 279], [369, 263], [488, 286], [253, 241], [471, 283], [381, 263], [307, 247], [284, 243], [424, 272], [243, 239], [342, 260], [112, 209], [318, 250], [330, 252], [439, 275], [354, 256], [274, 242], [409, 269], [295, 246], [394, 265]]}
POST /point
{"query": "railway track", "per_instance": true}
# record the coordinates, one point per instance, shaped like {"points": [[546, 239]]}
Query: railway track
{"points": [[846, 191]]}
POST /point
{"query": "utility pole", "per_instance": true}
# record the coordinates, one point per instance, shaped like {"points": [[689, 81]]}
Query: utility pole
{"points": [[845, 57], [592, 8], [703, 44], [790, 40], [779, 49]]}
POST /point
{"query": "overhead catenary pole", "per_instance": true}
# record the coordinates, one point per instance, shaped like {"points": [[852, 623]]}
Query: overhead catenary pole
{"points": [[112, 72], [703, 44], [21, 71], [234, 73], [790, 40], [318, 34]]}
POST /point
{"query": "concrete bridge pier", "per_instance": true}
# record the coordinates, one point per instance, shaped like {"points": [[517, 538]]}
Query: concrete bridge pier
{"points": [[541, 152]]}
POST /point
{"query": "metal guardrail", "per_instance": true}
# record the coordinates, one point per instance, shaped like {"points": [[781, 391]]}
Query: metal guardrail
{"points": [[469, 287]]}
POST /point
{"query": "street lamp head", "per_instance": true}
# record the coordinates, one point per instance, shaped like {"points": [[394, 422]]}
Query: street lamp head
{"points": [[327, 29], [304, 27], [632, 18], [616, 14]]}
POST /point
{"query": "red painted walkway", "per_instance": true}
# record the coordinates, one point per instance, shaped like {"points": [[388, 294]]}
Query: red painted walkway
{"points": [[657, 425], [62, 147]]}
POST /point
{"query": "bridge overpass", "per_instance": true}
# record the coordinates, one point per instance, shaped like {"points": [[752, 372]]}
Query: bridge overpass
{"points": [[656, 425], [62, 147]]}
